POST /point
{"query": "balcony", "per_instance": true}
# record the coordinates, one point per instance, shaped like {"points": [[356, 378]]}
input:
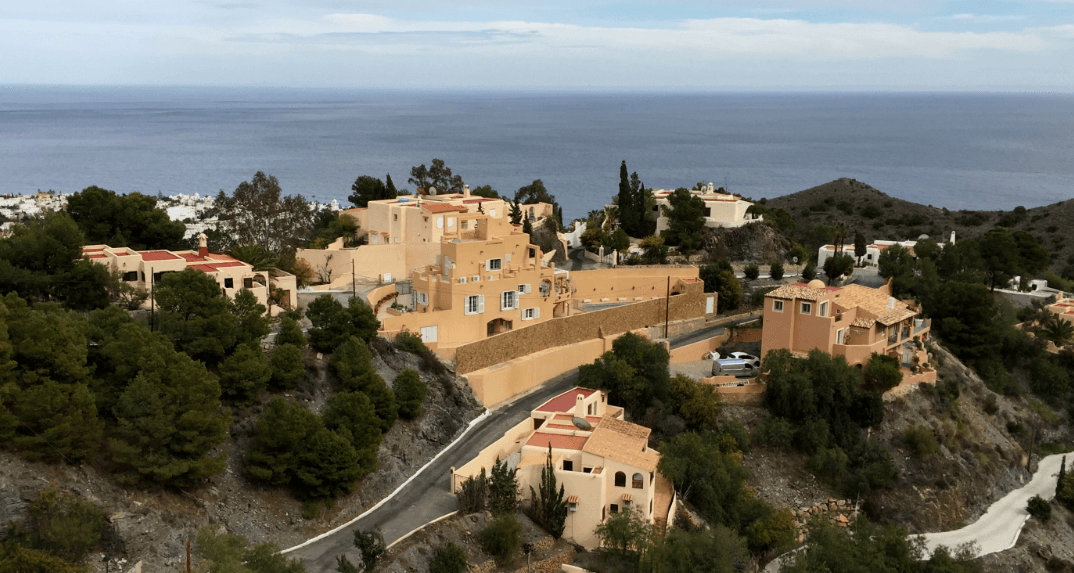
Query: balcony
{"points": [[921, 324]]}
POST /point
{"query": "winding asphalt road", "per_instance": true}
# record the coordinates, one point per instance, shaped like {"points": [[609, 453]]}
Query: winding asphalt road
{"points": [[997, 530], [427, 496]]}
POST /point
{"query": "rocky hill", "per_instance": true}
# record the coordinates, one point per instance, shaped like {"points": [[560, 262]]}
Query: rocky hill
{"points": [[880, 216], [152, 525]]}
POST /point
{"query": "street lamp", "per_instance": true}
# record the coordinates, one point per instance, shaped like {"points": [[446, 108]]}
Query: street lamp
{"points": [[795, 259]]}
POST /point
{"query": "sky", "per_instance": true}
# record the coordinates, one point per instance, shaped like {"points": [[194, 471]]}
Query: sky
{"points": [[840, 45]]}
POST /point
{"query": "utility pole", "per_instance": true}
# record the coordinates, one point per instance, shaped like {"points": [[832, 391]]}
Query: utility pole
{"points": [[354, 286], [187, 555], [152, 303], [667, 307]]}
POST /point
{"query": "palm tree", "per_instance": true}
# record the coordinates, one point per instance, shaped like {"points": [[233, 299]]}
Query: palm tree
{"points": [[840, 237], [256, 255], [1058, 331]]}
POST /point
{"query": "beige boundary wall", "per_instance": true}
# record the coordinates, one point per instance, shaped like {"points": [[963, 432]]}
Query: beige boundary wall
{"points": [[501, 448], [581, 327], [698, 350], [502, 381]]}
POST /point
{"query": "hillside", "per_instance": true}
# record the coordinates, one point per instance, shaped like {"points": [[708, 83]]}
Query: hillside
{"points": [[880, 216]]}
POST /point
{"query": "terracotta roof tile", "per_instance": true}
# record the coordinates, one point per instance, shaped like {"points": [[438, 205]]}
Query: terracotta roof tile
{"points": [[863, 322], [565, 401], [158, 256], [557, 441], [441, 207], [623, 442], [798, 292]]}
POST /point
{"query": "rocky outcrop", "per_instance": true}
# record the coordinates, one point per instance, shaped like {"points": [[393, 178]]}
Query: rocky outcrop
{"points": [[546, 237], [756, 243]]}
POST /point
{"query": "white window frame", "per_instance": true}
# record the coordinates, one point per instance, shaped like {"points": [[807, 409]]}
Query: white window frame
{"points": [[451, 222], [524, 289], [439, 222], [806, 308], [509, 300], [777, 305], [490, 266], [839, 336], [422, 298], [474, 304], [822, 310], [492, 213], [531, 313]]}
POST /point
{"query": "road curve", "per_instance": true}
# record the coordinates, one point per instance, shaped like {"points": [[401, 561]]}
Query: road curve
{"points": [[426, 497], [997, 530]]}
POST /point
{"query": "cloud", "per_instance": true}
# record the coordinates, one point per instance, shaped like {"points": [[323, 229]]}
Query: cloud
{"points": [[985, 18], [728, 36]]}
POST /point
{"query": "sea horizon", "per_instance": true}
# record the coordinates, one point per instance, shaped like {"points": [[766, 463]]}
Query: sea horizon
{"points": [[960, 150]]}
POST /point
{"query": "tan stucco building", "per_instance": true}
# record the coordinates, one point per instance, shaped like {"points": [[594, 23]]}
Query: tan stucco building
{"points": [[851, 321], [143, 269], [721, 209], [604, 463]]}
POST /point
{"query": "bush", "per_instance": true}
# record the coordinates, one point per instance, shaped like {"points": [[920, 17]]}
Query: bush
{"points": [[775, 432], [752, 271], [410, 392], [503, 537], [920, 441], [1015, 428], [474, 493], [449, 558], [882, 372], [64, 526], [410, 342], [809, 272], [776, 271], [1039, 508]]}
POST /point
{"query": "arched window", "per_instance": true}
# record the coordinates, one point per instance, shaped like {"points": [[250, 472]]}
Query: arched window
{"points": [[638, 481], [620, 479]]}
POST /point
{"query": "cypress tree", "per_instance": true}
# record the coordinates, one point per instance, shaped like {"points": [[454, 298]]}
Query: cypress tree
{"points": [[628, 216], [390, 187], [1062, 471], [550, 508]]}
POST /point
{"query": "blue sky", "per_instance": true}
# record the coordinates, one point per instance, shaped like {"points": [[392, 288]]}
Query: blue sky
{"points": [[1015, 45]]}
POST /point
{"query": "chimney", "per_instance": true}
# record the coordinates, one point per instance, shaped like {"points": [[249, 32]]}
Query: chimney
{"points": [[579, 406], [891, 302], [203, 245], [466, 191]]}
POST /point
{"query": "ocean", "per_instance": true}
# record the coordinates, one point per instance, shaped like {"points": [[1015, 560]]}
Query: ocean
{"points": [[961, 151]]}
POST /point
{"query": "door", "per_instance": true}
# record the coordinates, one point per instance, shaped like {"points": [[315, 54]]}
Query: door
{"points": [[428, 334]]}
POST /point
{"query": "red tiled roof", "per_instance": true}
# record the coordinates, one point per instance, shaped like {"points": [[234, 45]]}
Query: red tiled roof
{"points": [[482, 200], [226, 263], [441, 208], [565, 401], [557, 441], [192, 257], [93, 255], [91, 249], [158, 256]]}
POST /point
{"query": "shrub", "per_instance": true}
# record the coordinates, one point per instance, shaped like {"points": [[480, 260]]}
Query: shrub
{"points": [[776, 270], [920, 441], [809, 272], [871, 211], [752, 271], [882, 372], [503, 537], [473, 495], [449, 558], [1039, 508], [775, 432], [410, 342], [990, 405], [65, 526], [1015, 428]]}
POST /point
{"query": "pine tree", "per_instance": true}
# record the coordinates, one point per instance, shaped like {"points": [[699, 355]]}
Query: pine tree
{"points": [[167, 425], [516, 213], [287, 367], [354, 412], [290, 333], [244, 374], [352, 364], [527, 227], [410, 392]]}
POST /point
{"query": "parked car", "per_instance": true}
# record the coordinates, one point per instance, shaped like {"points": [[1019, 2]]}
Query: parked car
{"points": [[756, 362], [733, 367]]}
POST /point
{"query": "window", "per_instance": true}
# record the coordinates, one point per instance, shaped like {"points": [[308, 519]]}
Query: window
{"points": [[462, 225], [777, 306], [248, 282], [492, 213], [451, 222], [614, 508], [637, 481], [524, 289], [475, 304], [568, 466], [423, 298], [229, 283], [807, 308], [493, 264], [823, 309], [839, 336], [507, 257], [572, 506], [620, 479], [531, 313], [395, 217], [509, 300], [439, 222], [130, 276], [587, 470]]}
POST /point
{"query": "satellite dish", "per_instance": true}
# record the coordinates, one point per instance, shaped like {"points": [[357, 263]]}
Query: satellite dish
{"points": [[432, 190], [795, 259]]}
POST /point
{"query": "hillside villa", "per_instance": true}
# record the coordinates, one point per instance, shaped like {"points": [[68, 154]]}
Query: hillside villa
{"points": [[603, 462], [851, 321], [144, 269], [721, 209], [872, 250]]}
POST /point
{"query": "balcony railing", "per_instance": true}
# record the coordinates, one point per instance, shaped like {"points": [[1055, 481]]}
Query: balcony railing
{"points": [[893, 338], [920, 324]]}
